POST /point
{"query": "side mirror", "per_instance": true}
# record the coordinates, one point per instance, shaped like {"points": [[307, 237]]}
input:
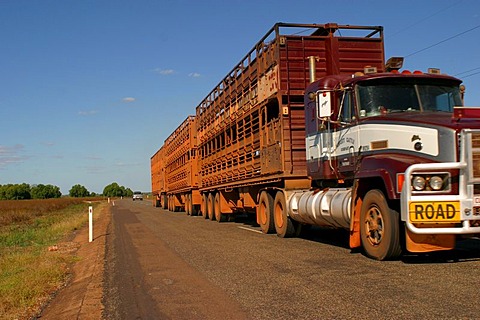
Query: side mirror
{"points": [[324, 104]]}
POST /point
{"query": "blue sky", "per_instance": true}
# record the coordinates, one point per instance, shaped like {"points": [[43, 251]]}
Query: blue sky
{"points": [[89, 90]]}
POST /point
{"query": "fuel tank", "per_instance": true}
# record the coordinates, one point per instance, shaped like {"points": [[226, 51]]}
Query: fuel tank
{"points": [[328, 207]]}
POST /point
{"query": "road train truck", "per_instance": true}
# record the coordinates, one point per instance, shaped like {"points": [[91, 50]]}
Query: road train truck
{"points": [[317, 129]]}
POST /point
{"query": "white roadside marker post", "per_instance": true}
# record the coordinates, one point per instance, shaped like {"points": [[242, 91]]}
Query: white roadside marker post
{"points": [[90, 224]]}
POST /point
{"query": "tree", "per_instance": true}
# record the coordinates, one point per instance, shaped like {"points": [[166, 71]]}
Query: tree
{"points": [[115, 190], [78, 191], [15, 192], [48, 191]]}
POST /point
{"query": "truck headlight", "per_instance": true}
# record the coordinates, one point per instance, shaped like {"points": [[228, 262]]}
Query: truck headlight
{"points": [[431, 182], [418, 183], [436, 183]]}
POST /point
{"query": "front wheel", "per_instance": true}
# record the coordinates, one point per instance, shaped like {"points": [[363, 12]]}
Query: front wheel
{"points": [[379, 230]]}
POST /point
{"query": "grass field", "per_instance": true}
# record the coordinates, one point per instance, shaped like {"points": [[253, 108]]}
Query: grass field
{"points": [[29, 272]]}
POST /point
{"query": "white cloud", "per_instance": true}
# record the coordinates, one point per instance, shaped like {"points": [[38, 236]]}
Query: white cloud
{"points": [[194, 75], [128, 99], [164, 72], [11, 154]]}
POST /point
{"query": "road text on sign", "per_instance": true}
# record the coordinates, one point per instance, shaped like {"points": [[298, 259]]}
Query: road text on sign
{"points": [[435, 212]]}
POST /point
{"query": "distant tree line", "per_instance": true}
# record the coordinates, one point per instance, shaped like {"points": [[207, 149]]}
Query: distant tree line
{"points": [[25, 191]]}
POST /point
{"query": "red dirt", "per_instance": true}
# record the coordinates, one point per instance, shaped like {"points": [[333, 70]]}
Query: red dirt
{"points": [[81, 298]]}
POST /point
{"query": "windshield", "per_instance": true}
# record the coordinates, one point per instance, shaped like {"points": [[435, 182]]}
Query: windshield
{"points": [[380, 99]]}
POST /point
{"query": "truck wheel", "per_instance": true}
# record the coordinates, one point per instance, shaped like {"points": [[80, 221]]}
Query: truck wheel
{"points": [[211, 213], [190, 207], [205, 205], [283, 224], [219, 216], [265, 212], [379, 228], [188, 204]]}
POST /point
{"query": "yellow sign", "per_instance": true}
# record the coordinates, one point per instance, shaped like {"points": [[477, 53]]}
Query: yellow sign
{"points": [[434, 212]]}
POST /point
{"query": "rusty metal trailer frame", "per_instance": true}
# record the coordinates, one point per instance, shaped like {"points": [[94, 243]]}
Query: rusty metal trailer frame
{"points": [[251, 126], [157, 171], [180, 166]]}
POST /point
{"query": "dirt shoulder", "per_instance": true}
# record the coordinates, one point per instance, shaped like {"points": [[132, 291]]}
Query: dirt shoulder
{"points": [[81, 298]]}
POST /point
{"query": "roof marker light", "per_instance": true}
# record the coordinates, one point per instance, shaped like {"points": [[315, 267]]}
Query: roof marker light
{"points": [[394, 63], [369, 70]]}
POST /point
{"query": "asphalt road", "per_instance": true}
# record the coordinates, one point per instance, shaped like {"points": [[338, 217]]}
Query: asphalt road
{"points": [[165, 265]]}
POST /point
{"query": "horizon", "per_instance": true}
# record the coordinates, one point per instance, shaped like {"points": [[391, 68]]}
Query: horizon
{"points": [[92, 89]]}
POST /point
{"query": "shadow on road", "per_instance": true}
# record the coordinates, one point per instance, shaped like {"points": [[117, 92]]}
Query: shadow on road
{"points": [[465, 251]]}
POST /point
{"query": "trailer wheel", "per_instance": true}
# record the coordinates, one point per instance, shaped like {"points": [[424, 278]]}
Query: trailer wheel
{"points": [[210, 212], [188, 204], [219, 216], [265, 212], [283, 224], [379, 231], [190, 207], [205, 205]]}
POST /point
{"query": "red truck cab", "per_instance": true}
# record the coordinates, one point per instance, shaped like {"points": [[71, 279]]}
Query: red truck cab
{"points": [[409, 156]]}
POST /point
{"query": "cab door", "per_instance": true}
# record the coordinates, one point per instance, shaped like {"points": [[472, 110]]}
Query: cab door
{"points": [[346, 135], [319, 141]]}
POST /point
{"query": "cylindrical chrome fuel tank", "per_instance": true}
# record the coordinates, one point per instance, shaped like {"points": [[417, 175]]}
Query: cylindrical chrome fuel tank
{"points": [[329, 207]]}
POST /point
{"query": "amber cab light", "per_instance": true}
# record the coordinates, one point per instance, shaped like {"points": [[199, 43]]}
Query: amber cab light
{"points": [[400, 180]]}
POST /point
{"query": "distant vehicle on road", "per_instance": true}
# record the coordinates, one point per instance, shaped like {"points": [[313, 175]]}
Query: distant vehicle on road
{"points": [[137, 195]]}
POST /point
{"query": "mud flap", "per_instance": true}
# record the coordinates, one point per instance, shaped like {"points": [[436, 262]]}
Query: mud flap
{"points": [[429, 242], [355, 240]]}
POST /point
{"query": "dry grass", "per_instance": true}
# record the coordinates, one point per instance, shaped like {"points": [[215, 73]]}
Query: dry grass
{"points": [[18, 211], [29, 273]]}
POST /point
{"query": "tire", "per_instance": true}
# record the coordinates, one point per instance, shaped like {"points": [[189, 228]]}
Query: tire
{"points": [[379, 227], [210, 207], [205, 205], [188, 204], [219, 216], [265, 212], [283, 224]]}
